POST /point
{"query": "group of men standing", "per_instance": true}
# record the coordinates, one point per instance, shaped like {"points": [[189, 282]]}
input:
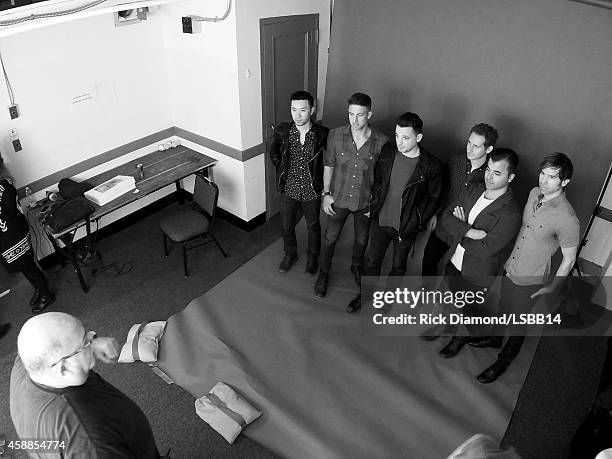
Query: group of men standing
{"points": [[396, 190]]}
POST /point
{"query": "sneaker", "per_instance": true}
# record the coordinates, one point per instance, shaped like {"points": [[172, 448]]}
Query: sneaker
{"points": [[45, 301], [320, 288], [35, 298], [287, 263]]}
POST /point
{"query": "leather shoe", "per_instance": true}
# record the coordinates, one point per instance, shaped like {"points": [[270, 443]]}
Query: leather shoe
{"points": [[433, 333], [35, 298], [354, 305], [287, 263], [312, 264], [486, 341], [453, 347], [4, 329], [491, 373], [45, 301], [356, 270], [320, 288]]}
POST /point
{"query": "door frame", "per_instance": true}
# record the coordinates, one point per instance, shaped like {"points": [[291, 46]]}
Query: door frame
{"points": [[266, 108]]}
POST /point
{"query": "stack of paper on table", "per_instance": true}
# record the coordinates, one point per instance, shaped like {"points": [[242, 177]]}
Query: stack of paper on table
{"points": [[111, 189]]}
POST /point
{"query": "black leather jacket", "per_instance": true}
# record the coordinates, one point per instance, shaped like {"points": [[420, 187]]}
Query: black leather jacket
{"points": [[278, 149], [422, 192]]}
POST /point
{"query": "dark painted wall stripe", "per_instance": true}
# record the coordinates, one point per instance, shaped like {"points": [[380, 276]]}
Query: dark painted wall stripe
{"points": [[109, 155]]}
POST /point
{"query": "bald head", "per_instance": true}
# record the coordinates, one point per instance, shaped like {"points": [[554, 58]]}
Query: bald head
{"points": [[45, 338]]}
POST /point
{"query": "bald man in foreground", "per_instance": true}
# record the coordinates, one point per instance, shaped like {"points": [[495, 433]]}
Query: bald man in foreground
{"points": [[55, 395]]}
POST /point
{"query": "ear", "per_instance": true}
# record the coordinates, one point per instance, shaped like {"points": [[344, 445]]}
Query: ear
{"points": [[370, 113], [312, 110], [511, 177], [564, 182], [489, 149], [419, 137]]}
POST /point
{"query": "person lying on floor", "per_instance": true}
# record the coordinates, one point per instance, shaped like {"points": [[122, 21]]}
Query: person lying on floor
{"points": [[55, 395]]}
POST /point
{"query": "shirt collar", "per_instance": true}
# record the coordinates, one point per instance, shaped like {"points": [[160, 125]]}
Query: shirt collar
{"points": [[553, 202]]}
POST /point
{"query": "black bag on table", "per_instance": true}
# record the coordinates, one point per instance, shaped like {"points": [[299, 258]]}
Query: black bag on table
{"points": [[68, 188], [65, 213]]}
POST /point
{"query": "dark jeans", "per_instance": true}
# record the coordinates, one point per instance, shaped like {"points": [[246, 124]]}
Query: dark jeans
{"points": [[458, 283], [35, 276], [290, 214], [515, 299], [335, 223], [380, 237], [434, 251]]}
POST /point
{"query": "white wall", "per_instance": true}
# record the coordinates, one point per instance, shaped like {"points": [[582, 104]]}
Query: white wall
{"points": [[121, 67], [144, 78]]}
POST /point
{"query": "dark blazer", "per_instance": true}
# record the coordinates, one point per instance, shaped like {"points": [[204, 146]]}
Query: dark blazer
{"points": [[421, 194], [501, 220], [277, 147]]}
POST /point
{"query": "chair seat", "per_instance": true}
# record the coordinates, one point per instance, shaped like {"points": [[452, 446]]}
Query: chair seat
{"points": [[184, 225]]}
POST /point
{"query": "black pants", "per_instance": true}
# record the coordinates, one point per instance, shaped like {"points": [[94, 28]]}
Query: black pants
{"points": [[380, 238], [458, 283], [434, 251], [35, 276], [335, 223], [290, 214], [515, 299]]}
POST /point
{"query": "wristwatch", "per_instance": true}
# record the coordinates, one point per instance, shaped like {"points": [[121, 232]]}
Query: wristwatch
{"points": [[326, 193]]}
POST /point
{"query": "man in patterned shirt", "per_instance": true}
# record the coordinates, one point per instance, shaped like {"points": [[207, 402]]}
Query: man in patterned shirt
{"points": [[352, 151], [296, 150]]}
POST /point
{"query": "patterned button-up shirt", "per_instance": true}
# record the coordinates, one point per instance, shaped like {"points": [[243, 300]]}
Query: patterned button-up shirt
{"points": [[353, 176], [299, 181]]}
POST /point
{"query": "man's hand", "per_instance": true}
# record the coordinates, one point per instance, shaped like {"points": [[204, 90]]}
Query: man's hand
{"points": [[459, 213], [105, 349], [476, 234], [328, 200], [547, 290], [431, 224]]}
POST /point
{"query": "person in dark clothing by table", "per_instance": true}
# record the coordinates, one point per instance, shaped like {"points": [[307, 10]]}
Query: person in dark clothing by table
{"points": [[56, 396], [15, 244]]}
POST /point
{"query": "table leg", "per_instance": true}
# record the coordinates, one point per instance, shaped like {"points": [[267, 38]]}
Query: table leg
{"points": [[68, 252], [179, 192]]}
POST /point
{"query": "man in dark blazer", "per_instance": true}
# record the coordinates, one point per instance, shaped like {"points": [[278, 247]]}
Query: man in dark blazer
{"points": [[483, 225]]}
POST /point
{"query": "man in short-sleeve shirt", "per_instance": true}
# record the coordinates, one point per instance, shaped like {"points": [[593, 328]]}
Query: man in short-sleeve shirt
{"points": [[549, 223], [56, 396], [348, 174]]}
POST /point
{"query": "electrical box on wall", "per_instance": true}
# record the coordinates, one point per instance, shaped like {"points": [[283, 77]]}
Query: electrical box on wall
{"points": [[191, 24]]}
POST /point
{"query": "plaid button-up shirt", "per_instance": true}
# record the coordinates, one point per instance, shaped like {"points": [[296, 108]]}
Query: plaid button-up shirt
{"points": [[353, 169]]}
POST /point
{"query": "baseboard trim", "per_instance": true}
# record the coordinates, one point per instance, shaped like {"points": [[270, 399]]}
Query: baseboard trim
{"points": [[240, 223]]}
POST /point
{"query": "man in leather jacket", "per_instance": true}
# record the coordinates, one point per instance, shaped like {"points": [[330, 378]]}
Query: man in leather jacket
{"points": [[406, 193], [296, 150]]}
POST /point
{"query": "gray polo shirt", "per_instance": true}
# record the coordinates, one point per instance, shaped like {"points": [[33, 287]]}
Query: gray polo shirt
{"points": [[545, 228]]}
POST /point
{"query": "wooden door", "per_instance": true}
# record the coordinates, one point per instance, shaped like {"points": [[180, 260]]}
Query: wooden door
{"points": [[289, 63]]}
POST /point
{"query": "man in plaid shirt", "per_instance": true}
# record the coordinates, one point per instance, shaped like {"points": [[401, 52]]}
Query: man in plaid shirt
{"points": [[348, 174]]}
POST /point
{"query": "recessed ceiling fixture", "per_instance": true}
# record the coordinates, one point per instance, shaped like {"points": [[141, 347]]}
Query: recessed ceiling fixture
{"points": [[132, 16]]}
